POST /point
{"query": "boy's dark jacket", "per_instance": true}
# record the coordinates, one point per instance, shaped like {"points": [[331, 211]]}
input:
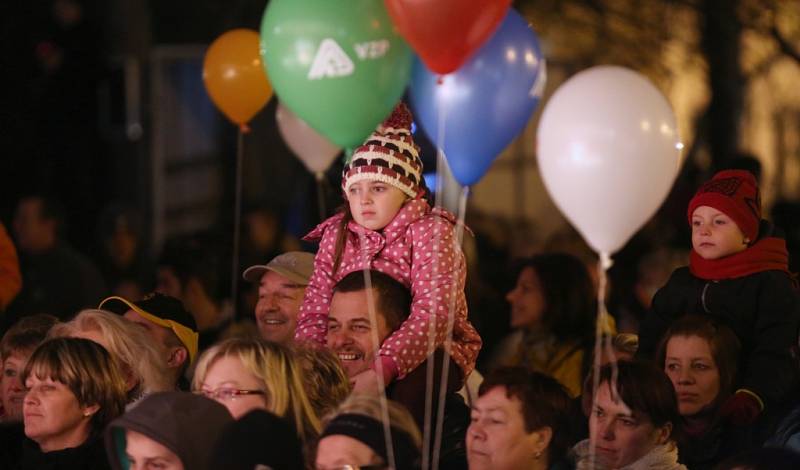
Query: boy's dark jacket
{"points": [[763, 309]]}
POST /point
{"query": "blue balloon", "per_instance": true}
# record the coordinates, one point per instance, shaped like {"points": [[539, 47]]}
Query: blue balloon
{"points": [[486, 103]]}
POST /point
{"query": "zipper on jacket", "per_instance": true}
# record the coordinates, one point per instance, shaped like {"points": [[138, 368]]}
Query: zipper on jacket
{"points": [[703, 297]]}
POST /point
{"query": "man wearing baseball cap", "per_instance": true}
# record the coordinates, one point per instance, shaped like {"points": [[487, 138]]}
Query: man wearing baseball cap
{"points": [[165, 319], [281, 286]]}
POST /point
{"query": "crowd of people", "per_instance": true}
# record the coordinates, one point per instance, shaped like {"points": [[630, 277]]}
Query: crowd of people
{"points": [[363, 355]]}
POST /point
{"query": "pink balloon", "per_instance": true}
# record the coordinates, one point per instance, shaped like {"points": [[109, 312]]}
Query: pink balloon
{"points": [[315, 151]]}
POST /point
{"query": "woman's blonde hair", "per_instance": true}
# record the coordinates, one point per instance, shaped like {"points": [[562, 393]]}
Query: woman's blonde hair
{"points": [[88, 370], [137, 352], [370, 405], [279, 369], [326, 382]]}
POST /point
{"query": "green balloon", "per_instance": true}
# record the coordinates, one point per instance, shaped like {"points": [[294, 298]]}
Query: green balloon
{"points": [[339, 65]]}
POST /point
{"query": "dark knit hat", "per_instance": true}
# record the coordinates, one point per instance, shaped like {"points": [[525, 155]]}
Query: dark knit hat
{"points": [[370, 432], [258, 440], [390, 155], [734, 193]]}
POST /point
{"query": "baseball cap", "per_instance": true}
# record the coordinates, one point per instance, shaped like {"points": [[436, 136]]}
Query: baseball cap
{"points": [[297, 266], [162, 310]]}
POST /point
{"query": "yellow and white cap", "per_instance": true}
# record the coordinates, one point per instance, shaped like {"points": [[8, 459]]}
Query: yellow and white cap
{"points": [[162, 310]]}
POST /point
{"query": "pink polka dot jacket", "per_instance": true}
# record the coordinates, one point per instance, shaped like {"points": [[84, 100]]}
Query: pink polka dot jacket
{"points": [[417, 249]]}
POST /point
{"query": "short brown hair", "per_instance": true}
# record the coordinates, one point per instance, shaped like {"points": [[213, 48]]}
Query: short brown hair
{"points": [[721, 340], [544, 402], [393, 299], [88, 370], [26, 334], [645, 389]]}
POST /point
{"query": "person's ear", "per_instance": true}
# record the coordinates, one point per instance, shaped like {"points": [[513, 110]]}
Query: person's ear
{"points": [[540, 440], [90, 410], [177, 356], [130, 378], [663, 433]]}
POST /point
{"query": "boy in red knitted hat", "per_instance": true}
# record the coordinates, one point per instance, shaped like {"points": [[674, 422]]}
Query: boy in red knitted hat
{"points": [[388, 225], [738, 273]]}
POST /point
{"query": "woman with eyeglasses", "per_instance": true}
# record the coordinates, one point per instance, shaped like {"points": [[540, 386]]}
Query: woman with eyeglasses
{"points": [[248, 374]]}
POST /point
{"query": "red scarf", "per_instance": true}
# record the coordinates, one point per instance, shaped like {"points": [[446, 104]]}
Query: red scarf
{"points": [[767, 254]]}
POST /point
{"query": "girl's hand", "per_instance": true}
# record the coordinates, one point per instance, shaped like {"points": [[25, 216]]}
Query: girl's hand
{"points": [[367, 382]]}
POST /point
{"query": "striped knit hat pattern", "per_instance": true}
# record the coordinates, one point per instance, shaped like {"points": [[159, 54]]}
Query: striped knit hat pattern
{"points": [[389, 155]]}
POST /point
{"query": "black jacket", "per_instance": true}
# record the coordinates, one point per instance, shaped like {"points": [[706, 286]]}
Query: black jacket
{"points": [[762, 309], [18, 452], [719, 443]]}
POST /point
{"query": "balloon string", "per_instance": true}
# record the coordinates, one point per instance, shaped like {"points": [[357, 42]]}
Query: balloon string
{"points": [[373, 319], [427, 434], [320, 177], [602, 342], [237, 216], [462, 209]]}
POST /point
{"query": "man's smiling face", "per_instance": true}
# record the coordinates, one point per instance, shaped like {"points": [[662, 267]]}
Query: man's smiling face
{"points": [[279, 300], [350, 333]]}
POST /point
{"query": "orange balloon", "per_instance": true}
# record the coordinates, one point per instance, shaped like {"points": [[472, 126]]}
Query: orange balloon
{"points": [[234, 76]]}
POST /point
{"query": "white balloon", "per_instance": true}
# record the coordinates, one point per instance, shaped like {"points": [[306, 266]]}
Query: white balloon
{"points": [[608, 152], [315, 151]]}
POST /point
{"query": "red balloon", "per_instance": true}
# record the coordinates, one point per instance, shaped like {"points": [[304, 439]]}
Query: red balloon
{"points": [[445, 33]]}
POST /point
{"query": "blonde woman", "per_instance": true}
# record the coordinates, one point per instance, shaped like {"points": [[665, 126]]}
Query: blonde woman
{"points": [[354, 436], [248, 374], [137, 353]]}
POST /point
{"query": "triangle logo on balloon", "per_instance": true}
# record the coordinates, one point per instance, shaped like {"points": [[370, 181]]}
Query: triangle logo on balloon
{"points": [[330, 62]]}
